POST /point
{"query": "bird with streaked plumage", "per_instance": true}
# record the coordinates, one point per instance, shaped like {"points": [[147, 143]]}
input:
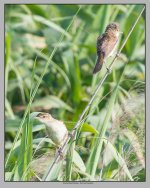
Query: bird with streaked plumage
{"points": [[106, 44]]}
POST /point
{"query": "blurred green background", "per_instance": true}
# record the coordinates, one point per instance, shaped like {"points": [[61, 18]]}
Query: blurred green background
{"points": [[31, 34]]}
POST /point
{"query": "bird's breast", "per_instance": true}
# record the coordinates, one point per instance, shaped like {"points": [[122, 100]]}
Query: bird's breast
{"points": [[106, 44], [57, 132]]}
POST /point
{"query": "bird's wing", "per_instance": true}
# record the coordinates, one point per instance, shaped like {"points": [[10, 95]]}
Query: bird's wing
{"points": [[105, 45], [100, 40]]}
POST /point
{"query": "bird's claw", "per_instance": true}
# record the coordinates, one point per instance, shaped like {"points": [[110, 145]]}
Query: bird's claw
{"points": [[70, 135], [60, 153], [108, 70], [117, 55]]}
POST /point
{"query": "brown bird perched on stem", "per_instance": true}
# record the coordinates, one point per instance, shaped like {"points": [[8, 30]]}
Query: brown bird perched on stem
{"points": [[106, 44], [56, 129]]}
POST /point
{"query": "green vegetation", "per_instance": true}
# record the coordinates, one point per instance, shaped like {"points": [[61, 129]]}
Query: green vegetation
{"points": [[50, 53]]}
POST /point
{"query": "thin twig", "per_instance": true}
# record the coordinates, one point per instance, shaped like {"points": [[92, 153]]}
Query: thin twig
{"points": [[77, 125]]}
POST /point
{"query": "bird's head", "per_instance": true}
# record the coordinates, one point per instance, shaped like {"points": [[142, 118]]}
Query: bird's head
{"points": [[113, 28], [43, 117]]}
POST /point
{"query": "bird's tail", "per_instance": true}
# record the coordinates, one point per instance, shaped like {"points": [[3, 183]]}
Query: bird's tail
{"points": [[100, 61]]}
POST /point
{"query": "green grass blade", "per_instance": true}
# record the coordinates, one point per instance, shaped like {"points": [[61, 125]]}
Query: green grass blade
{"points": [[118, 158], [96, 151]]}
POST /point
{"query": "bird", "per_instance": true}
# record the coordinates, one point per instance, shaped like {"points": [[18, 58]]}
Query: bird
{"points": [[106, 44], [56, 129]]}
